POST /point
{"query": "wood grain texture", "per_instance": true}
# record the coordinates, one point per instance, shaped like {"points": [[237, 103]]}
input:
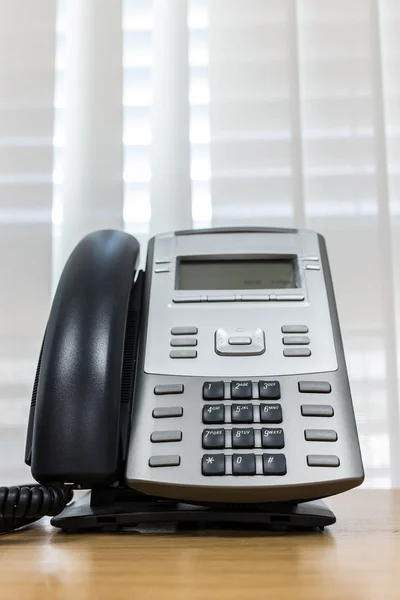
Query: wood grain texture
{"points": [[357, 559]]}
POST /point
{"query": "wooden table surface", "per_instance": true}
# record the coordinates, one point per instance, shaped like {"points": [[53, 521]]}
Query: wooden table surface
{"points": [[358, 558]]}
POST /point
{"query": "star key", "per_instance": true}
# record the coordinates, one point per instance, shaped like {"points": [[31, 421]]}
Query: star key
{"points": [[213, 464]]}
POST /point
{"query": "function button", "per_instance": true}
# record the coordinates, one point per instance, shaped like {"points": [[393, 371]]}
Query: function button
{"points": [[239, 341], [243, 464], [162, 261], [295, 340], [274, 464], [293, 352], [213, 390], [167, 411], [213, 413], [255, 298], [181, 341], [166, 436], [213, 438], [316, 410], [315, 387], [164, 269], [270, 413], [171, 388], [269, 389], [294, 329], [311, 258], [289, 297], [313, 267], [170, 460], [181, 299], [213, 464], [242, 390], [243, 438], [320, 435], [182, 330], [272, 438], [323, 460], [242, 413], [221, 298], [183, 354]]}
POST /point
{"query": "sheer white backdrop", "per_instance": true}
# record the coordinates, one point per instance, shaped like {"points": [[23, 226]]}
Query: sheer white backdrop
{"points": [[160, 114]]}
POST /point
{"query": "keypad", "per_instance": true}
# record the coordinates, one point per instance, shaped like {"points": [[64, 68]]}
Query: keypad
{"points": [[213, 413], [241, 390], [243, 464], [213, 438], [243, 438], [213, 390], [271, 413], [272, 438], [242, 413]]}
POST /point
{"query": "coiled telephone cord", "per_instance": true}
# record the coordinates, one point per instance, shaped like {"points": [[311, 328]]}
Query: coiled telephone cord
{"points": [[21, 505]]}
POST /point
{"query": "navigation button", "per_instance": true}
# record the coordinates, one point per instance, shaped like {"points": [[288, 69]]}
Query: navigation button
{"points": [[239, 341], [225, 347]]}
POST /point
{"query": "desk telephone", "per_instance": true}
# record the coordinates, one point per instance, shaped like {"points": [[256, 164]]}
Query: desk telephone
{"points": [[211, 387]]}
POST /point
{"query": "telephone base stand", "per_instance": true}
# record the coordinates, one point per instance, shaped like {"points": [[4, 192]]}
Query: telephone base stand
{"points": [[121, 510]]}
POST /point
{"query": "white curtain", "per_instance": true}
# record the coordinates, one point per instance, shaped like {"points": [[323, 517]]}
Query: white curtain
{"points": [[27, 50], [278, 112]]}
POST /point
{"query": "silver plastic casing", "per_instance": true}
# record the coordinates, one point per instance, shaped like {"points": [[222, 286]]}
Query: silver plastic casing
{"points": [[243, 310]]}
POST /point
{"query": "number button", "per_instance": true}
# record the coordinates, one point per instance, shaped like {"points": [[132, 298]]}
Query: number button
{"points": [[213, 413], [243, 464], [274, 464], [272, 438], [243, 438], [271, 413], [213, 390], [242, 413], [241, 390], [214, 438], [269, 389], [213, 464]]}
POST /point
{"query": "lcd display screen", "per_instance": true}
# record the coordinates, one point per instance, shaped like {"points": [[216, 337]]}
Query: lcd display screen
{"points": [[236, 274]]}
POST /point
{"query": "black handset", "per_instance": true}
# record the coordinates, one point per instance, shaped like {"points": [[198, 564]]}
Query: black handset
{"points": [[79, 416]]}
